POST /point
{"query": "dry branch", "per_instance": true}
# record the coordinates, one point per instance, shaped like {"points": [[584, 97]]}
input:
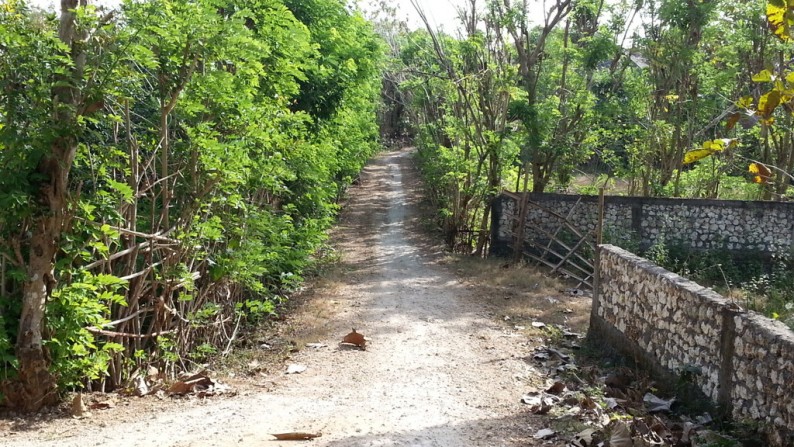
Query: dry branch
{"points": [[127, 318], [96, 330]]}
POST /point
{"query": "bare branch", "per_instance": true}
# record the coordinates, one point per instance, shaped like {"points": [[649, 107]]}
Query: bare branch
{"points": [[96, 330]]}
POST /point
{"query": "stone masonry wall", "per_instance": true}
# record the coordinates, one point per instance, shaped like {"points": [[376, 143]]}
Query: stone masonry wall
{"points": [[760, 227], [745, 361]]}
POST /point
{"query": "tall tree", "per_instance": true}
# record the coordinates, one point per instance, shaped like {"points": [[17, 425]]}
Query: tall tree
{"points": [[49, 163], [465, 91]]}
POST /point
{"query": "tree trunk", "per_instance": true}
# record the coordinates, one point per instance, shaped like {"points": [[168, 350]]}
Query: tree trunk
{"points": [[518, 230], [539, 178], [164, 148], [35, 386]]}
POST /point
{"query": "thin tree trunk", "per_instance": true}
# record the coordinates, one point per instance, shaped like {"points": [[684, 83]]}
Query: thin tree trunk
{"points": [[165, 193], [523, 207], [35, 386]]}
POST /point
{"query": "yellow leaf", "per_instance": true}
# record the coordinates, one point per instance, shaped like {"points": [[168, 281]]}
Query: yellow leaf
{"points": [[719, 144], [726, 143], [695, 155], [775, 316], [744, 102], [790, 77], [779, 16], [768, 103], [709, 148], [761, 172], [671, 98], [763, 76]]}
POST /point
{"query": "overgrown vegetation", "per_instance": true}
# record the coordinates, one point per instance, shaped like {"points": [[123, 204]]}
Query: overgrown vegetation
{"points": [[757, 282], [167, 171], [663, 98]]}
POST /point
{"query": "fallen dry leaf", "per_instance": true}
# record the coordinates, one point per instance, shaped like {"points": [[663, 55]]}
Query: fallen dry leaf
{"points": [[180, 388], [355, 339], [102, 405], [562, 356], [538, 403], [152, 373], [569, 334], [586, 438], [296, 436], [545, 433], [141, 388], [704, 419], [557, 388], [296, 369], [656, 404], [197, 382], [620, 436], [588, 404], [619, 380], [216, 388], [541, 356]]}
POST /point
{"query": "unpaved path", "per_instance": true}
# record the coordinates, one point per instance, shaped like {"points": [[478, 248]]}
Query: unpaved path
{"points": [[439, 369]]}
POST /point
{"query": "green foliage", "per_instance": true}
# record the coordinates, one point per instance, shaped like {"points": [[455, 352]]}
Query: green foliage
{"points": [[347, 55], [74, 309], [715, 178], [658, 252], [7, 360], [202, 352], [763, 285], [29, 42], [458, 108], [771, 292], [628, 240], [218, 140]]}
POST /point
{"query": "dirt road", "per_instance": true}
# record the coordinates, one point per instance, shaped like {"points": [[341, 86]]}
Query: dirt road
{"points": [[439, 369]]}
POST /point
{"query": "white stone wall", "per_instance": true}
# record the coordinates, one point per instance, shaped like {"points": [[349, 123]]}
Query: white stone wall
{"points": [[674, 320], [746, 361], [760, 227], [763, 371]]}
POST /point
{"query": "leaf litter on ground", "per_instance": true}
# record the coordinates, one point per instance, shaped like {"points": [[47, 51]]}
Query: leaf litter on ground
{"points": [[618, 406], [200, 385]]}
